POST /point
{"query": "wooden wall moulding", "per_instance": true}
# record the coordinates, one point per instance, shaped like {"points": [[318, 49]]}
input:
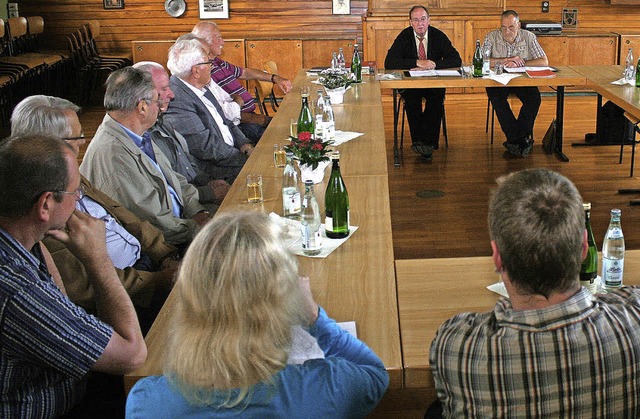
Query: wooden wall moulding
{"points": [[438, 7]]}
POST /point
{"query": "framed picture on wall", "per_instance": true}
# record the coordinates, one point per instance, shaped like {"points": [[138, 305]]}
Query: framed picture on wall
{"points": [[341, 7], [214, 9], [113, 4]]}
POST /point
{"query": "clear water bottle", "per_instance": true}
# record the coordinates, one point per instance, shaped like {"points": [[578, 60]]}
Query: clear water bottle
{"points": [[328, 122], [613, 253], [310, 222], [486, 60], [341, 61], [334, 61], [629, 66], [291, 203], [319, 109]]}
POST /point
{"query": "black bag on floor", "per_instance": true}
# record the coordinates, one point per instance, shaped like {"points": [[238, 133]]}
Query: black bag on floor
{"points": [[610, 128]]}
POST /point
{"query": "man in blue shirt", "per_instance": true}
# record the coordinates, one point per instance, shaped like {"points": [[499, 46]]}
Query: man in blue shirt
{"points": [[47, 343]]}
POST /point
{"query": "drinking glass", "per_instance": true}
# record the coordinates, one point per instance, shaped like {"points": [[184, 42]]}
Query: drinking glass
{"points": [[279, 155], [293, 128], [254, 189]]}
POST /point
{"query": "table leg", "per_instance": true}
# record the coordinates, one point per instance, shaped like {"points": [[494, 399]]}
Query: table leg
{"points": [[560, 123], [396, 156]]}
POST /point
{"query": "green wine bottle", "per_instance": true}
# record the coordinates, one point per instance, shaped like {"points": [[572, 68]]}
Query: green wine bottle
{"points": [[477, 60], [589, 268], [305, 120], [356, 64], [336, 203]]}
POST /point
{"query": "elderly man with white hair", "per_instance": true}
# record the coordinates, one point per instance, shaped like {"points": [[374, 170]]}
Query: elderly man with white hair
{"points": [[217, 144]]}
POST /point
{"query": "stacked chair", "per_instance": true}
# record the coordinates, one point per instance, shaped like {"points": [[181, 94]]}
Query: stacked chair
{"points": [[25, 69], [91, 68]]}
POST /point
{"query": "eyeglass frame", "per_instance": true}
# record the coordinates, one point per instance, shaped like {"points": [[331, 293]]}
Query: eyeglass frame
{"points": [[210, 62], [80, 137], [422, 19], [79, 193]]}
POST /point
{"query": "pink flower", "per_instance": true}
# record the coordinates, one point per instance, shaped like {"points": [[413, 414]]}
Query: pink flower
{"points": [[304, 137], [317, 146]]}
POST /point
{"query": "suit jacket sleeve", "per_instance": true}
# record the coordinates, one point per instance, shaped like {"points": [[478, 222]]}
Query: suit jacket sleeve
{"points": [[403, 54], [140, 285], [115, 166], [189, 116]]}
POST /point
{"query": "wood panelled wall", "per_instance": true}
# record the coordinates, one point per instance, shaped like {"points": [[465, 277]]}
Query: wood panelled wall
{"points": [[280, 19], [147, 20]]}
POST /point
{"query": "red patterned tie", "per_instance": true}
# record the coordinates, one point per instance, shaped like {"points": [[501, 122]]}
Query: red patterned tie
{"points": [[422, 55]]}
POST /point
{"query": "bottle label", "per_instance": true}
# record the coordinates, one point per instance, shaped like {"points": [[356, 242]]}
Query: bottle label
{"points": [[612, 270], [328, 223], [291, 203], [311, 240]]}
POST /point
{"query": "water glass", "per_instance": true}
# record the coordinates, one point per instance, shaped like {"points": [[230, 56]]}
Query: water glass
{"points": [[254, 189], [293, 128], [279, 155], [499, 69]]}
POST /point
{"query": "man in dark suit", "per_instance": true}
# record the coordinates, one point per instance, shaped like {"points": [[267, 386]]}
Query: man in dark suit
{"points": [[422, 47], [219, 147]]}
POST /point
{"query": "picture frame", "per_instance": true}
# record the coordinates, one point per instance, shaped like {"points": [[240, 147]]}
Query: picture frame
{"points": [[213, 9], [341, 7], [113, 4]]}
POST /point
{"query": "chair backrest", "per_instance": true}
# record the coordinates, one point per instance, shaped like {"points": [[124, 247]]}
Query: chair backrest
{"points": [[17, 26], [35, 25], [271, 67], [94, 27]]}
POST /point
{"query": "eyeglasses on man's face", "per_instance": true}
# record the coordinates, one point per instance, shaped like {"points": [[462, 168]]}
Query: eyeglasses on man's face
{"points": [[79, 193], [208, 62], [416, 20], [78, 138]]}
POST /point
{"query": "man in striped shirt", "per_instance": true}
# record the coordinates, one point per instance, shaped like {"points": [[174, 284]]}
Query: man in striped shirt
{"points": [[48, 345], [551, 349]]}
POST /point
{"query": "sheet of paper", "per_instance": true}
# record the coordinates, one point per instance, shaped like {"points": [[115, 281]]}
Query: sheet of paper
{"points": [[293, 237], [503, 78], [498, 288], [344, 136], [524, 69], [304, 346], [433, 73]]}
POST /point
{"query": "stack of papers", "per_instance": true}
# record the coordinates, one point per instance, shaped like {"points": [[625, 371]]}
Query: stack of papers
{"points": [[540, 74], [433, 73]]}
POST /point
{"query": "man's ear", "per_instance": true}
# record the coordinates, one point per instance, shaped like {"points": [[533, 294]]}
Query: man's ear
{"points": [[43, 206], [497, 260]]}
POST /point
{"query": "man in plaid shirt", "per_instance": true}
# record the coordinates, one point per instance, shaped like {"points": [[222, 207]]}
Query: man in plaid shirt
{"points": [[551, 349]]}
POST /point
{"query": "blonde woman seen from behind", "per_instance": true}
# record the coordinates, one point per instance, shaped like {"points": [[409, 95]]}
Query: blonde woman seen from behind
{"points": [[238, 295]]}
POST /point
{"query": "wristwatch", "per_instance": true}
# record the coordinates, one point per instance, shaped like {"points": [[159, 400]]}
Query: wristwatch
{"points": [[273, 78]]}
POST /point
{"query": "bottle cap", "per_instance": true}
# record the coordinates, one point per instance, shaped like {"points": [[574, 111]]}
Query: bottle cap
{"points": [[586, 206], [335, 155], [616, 211]]}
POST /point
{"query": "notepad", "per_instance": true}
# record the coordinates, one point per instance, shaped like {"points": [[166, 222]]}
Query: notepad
{"points": [[540, 74]]}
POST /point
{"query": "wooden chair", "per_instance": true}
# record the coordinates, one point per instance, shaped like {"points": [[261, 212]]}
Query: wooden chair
{"points": [[272, 68], [264, 94]]}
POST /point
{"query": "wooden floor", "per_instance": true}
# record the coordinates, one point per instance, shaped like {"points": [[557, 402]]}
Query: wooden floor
{"points": [[455, 224]]}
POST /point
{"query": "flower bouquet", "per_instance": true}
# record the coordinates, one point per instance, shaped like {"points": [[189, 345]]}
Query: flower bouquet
{"points": [[307, 151]]}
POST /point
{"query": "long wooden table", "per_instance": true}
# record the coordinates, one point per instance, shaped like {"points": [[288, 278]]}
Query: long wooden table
{"points": [[565, 76], [356, 281], [430, 291], [599, 78]]}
